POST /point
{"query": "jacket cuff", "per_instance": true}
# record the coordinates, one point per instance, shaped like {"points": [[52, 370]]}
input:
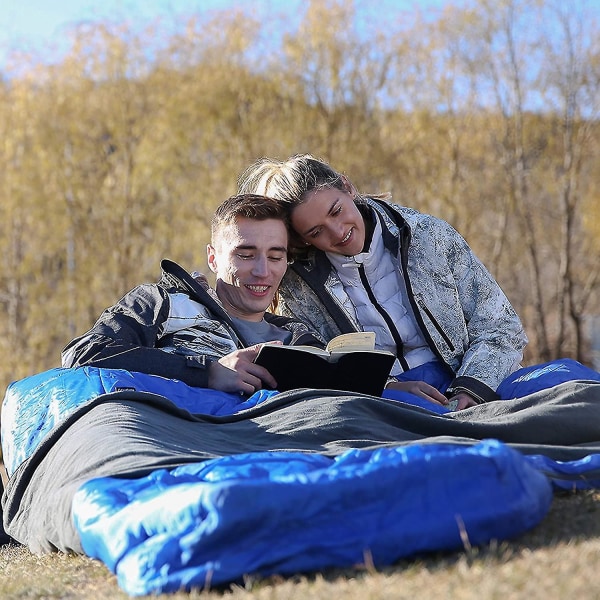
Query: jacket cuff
{"points": [[475, 388], [196, 373], [201, 361]]}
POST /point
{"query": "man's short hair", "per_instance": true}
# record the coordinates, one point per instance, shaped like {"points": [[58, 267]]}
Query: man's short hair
{"points": [[250, 206]]}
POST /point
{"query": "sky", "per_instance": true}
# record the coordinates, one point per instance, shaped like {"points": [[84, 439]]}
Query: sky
{"points": [[34, 24], [30, 25], [30, 20]]}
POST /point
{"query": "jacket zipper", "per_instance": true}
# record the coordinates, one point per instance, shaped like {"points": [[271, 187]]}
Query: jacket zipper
{"points": [[437, 326], [386, 317], [404, 241]]}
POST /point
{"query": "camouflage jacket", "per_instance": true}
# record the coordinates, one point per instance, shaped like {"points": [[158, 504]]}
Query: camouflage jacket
{"points": [[466, 318]]}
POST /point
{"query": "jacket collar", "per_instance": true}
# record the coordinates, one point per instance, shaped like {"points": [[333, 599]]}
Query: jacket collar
{"points": [[175, 276]]}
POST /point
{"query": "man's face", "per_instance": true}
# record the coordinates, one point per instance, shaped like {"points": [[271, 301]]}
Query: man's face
{"points": [[249, 258]]}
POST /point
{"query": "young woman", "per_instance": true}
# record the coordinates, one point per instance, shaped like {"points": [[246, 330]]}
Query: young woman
{"points": [[368, 264]]}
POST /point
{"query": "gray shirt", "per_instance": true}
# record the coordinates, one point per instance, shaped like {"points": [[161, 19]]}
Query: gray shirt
{"points": [[257, 332]]}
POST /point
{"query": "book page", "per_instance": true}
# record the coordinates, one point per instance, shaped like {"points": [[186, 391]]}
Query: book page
{"points": [[311, 349], [348, 342]]}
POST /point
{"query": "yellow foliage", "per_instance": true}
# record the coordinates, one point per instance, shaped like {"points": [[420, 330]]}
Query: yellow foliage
{"points": [[116, 155]]}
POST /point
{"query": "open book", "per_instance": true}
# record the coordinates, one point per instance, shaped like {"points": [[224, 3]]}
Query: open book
{"points": [[350, 363]]}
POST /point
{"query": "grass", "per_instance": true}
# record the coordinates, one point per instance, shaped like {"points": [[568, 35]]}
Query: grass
{"points": [[558, 559]]}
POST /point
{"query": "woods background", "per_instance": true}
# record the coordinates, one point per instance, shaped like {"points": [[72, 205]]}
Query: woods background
{"points": [[484, 114]]}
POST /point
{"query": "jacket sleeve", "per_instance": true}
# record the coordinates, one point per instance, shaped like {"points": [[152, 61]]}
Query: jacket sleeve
{"points": [[493, 337], [125, 337]]}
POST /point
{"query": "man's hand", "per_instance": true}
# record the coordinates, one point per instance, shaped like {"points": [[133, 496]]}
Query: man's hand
{"points": [[236, 372], [421, 389]]}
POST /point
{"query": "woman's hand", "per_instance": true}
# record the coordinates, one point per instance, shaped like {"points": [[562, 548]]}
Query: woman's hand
{"points": [[421, 389], [463, 400]]}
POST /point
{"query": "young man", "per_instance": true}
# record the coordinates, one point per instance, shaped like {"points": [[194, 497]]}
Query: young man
{"points": [[181, 329]]}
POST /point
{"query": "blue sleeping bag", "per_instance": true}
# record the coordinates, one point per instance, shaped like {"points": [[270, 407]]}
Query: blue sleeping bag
{"points": [[34, 406], [529, 380], [208, 524]]}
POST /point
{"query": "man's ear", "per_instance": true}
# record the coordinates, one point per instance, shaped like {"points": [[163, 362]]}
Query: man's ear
{"points": [[211, 257]]}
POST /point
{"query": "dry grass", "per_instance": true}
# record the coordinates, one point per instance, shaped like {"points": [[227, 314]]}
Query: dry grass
{"points": [[559, 559]]}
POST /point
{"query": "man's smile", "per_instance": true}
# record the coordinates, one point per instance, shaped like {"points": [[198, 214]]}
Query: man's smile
{"points": [[259, 290]]}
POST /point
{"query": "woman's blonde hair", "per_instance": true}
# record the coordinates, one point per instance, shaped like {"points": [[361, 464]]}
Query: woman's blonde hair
{"points": [[289, 181]]}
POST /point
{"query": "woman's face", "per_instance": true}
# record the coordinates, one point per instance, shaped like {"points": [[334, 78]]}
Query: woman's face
{"points": [[330, 221]]}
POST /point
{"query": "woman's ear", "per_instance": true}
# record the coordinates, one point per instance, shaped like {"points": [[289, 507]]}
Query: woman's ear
{"points": [[211, 257], [348, 187]]}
